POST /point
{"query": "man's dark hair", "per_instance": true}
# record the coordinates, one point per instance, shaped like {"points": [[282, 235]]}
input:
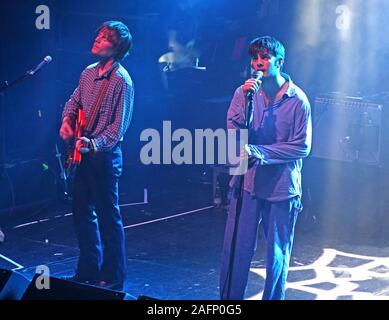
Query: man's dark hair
{"points": [[273, 46], [121, 37]]}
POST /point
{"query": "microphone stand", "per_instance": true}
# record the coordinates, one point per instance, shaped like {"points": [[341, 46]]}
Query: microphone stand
{"points": [[3, 86], [63, 175], [240, 191]]}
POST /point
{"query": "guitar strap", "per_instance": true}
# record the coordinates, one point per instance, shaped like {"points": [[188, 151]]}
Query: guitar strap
{"points": [[96, 107]]}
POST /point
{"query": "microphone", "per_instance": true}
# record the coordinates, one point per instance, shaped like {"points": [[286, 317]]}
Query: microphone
{"points": [[45, 61], [257, 75]]}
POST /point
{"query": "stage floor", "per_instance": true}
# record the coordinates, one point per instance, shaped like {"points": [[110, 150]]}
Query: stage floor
{"points": [[174, 249]]}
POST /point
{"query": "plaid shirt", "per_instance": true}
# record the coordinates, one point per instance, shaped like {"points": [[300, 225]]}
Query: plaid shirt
{"points": [[115, 112]]}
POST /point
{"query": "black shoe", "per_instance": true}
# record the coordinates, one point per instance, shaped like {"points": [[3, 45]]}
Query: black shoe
{"points": [[117, 286]]}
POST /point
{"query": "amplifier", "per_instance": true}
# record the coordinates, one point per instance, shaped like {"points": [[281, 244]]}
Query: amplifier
{"points": [[347, 129]]}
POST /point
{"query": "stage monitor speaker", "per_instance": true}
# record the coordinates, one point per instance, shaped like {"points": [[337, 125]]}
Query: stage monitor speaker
{"points": [[60, 289], [347, 130], [12, 285], [141, 297]]}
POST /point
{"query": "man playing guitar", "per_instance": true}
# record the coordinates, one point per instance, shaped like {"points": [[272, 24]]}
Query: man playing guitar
{"points": [[101, 105]]}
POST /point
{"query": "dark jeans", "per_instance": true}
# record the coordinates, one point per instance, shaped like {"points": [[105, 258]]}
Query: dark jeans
{"points": [[97, 219], [278, 221]]}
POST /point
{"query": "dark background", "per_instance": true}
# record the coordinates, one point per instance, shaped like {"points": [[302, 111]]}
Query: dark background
{"points": [[318, 59]]}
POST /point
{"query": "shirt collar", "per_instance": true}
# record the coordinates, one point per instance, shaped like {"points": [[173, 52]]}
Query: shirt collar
{"points": [[291, 91], [106, 74]]}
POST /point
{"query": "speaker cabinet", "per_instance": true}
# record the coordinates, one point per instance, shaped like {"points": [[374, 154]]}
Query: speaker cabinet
{"points": [[60, 289], [12, 285], [347, 130]]}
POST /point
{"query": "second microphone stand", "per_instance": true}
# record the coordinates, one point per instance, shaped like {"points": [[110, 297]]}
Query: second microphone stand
{"points": [[240, 192]]}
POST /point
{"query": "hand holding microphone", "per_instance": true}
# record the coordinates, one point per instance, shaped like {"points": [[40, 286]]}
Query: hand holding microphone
{"points": [[250, 88], [252, 85]]}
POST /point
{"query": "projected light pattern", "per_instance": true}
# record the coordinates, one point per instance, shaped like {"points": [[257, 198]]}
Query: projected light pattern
{"points": [[340, 275]]}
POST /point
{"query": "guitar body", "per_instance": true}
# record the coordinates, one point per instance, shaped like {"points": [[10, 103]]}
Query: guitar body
{"points": [[74, 156]]}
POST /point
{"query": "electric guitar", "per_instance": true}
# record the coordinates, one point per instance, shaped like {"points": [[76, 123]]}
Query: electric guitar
{"points": [[74, 156]]}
